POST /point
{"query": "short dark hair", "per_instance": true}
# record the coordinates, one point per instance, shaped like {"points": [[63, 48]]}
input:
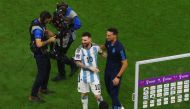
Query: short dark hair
{"points": [[114, 30], [86, 34], [62, 5], [45, 15]]}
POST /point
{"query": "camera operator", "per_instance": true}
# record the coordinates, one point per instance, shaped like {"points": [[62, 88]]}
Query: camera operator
{"points": [[66, 22]]}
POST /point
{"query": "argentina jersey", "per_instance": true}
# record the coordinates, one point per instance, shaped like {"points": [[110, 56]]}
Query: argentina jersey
{"points": [[89, 58]]}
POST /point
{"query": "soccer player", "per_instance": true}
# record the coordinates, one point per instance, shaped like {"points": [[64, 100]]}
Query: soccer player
{"points": [[115, 66], [86, 59]]}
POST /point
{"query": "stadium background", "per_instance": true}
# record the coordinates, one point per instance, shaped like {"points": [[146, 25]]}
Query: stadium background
{"points": [[147, 28]]}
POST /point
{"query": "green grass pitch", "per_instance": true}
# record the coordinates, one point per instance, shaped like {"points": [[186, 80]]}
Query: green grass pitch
{"points": [[147, 28]]}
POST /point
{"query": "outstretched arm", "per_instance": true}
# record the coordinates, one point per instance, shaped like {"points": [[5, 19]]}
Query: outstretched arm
{"points": [[103, 51], [103, 47], [81, 65], [38, 35], [49, 33]]}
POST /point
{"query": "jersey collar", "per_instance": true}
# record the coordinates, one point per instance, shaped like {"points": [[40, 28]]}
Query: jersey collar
{"points": [[87, 48], [115, 44]]}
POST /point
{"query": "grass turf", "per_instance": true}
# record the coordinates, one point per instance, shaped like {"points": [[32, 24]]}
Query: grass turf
{"points": [[148, 29]]}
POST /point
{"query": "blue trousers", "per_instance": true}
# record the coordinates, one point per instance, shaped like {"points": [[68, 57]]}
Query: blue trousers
{"points": [[42, 77], [112, 90]]}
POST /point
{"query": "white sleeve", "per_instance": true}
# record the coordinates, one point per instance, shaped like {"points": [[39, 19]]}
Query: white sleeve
{"points": [[78, 54], [72, 14]]}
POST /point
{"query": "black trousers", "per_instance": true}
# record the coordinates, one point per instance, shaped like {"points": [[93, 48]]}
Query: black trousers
{"points": [[63, 59], [42, 77]]}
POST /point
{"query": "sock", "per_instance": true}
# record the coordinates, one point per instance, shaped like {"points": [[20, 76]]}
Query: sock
{"points": [[122, 107], [99, 100], [84, 100], [118, 107]]}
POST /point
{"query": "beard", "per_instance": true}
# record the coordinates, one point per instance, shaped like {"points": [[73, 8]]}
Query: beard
{"points": [[85, 45], [108, 39]]}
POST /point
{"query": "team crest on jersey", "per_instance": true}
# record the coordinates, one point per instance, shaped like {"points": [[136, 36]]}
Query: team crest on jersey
{"points": [[77, 56], [113, 50]]}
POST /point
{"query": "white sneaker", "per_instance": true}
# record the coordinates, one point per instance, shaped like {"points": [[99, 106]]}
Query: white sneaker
{"points": [[122, 107]]}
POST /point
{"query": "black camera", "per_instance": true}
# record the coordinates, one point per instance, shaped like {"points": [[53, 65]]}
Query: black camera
{"points": [[60, 21]]}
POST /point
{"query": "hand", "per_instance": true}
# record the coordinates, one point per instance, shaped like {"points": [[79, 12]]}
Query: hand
{"points": [[115, 81], [94, 69], [49, 33], [104, 54], [52, 39]]}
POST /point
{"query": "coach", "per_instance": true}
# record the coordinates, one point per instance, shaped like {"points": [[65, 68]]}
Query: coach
{"points": [[115, 66]]}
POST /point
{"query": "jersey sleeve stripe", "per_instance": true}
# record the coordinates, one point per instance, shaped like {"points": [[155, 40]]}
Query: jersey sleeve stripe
{"points": [[123, 56]]}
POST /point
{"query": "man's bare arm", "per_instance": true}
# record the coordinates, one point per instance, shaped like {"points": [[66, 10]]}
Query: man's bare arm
{"points": [[103, 51], [123, 68], [49, 33], [116, 80], [103, 47], [40, 43], [81, 65]]}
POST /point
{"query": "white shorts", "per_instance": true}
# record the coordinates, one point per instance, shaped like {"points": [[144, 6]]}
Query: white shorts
{"points": [[85, 87]]}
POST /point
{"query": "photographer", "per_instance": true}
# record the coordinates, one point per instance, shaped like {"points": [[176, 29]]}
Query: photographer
{"points": [[40, 38], [66, 22]]}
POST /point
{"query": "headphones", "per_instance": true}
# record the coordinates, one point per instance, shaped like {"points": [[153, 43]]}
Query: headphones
{"points": [[62, 6]]}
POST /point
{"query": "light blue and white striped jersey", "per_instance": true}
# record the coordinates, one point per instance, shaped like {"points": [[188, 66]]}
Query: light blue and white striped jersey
{"points": [[89, 58]]}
